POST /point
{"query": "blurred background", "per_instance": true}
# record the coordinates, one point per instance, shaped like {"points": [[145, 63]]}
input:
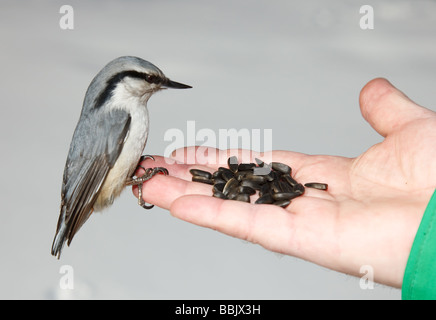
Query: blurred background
{"points": [[294, 67]]}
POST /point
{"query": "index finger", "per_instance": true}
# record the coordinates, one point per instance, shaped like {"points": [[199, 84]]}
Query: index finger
{"points": [[214, 158]]}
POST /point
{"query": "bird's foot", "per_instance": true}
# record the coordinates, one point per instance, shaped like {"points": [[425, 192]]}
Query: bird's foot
{"points": [[139, 181]]}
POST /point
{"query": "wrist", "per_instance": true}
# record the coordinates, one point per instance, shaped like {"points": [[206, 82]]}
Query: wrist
{"points": [[419, 280]]}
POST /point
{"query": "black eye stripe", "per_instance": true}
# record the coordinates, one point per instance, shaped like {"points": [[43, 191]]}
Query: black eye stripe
{"points": [[151, 78], [115, 79]]}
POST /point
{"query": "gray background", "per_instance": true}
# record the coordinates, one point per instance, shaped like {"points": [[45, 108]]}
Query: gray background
{"points": [[294, 67]]}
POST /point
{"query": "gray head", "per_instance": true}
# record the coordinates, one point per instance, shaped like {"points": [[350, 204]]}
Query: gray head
{"points": [[139, 77]]}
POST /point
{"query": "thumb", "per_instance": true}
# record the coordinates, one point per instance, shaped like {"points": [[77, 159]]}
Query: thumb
{"points": [[386, 108]]}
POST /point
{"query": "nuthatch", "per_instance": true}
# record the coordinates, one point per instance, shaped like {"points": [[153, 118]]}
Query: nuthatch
{"points": [[108, 142]]}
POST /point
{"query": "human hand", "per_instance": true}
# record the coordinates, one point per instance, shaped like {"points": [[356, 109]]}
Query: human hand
{"points": [[368, 216]]}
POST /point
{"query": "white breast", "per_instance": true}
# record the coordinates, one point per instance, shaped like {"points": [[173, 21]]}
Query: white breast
{"points": [[133, 147]]}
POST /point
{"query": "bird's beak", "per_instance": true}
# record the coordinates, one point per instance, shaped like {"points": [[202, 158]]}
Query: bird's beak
{"points": [[174, 85]]}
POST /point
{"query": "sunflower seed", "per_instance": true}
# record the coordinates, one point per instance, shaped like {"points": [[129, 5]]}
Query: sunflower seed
{"points": [[275, 187], [282, 203], [285, 195], [242, 197], [219, 194], [264, 189], [223, 169], [240, 175], [259, 162], [202, 179], [217, 175], [299, 188], [233, 193], [281, 167], [262, 171], [246, 190], [290, 180], [233, 163], [246, 166], [317, 185], [249, 183], [227, 175], [218, 187], [219, 181], [230, 185], [265, 199], [238, 182], [284, 186], [201, 173], [273, 175], [256, 178]]}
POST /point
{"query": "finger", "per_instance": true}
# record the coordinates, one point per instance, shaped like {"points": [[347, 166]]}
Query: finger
{"points": [[163, 190], [174, 168], [212, 157], [254, 223], [302, 233], [215, 158], [386, 108]]}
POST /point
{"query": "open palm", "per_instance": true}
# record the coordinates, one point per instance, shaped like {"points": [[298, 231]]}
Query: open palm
{"points": [[368, 216]]}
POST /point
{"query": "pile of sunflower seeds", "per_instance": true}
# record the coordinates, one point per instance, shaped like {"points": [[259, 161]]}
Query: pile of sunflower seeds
{"points": [[273, 181]]}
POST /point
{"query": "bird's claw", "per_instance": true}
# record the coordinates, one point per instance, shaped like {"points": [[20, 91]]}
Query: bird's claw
{"points": [[139, 181]]}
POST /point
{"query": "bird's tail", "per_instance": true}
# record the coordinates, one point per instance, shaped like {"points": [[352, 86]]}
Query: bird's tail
{"points": [[60, 236]]}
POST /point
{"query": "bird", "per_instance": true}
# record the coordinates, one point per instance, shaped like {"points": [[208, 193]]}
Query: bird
{"points": [[108, 142]]}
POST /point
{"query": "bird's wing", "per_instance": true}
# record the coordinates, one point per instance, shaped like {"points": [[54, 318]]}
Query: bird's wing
{"points": [[96, 145]]}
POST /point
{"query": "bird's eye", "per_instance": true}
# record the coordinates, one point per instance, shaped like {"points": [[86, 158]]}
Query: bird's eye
{"points": [[150, 78]]}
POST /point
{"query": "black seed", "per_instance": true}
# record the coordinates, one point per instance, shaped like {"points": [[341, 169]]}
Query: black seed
{"points": [[282, 203], [256, 178], [246, 166], [227, 175], [265, 199], [251, 184], [217, 175], [233, 193], [275, 187], [299, 188], [259, 162], [264, 189], [231, 184], [218, 181], [240, 175], [317, 185], [201, 173], [285, 195], [262, 171], [246, 190], [219, 194], [233, 163], [274, 182], [218, 187], [290, 180], [281, 167], [273, 175], [202, 179], [223, 169], [285, 186], [242, 197]]}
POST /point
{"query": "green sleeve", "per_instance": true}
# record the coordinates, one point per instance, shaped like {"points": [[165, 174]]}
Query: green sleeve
{"points": [[419, 280]]}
